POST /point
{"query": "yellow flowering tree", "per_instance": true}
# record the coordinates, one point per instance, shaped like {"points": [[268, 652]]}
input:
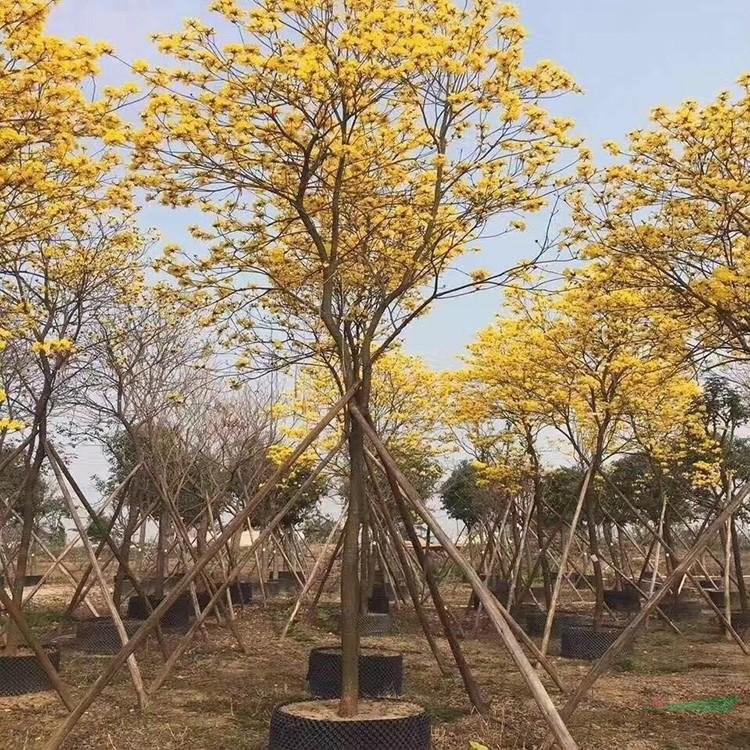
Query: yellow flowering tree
{"points": [[598, 364], [66, 240], [674, 209], [346, 156]]}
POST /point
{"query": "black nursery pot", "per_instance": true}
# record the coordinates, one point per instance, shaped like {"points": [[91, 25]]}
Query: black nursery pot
{"points": [[31, 580], [535, 622], [289, 575], [177, 616], [740, 622], [378, 602], [376, 623], [580, 580], [282, 585], [291, 731], [98, 635], [710, 583], [380, 674], [499, 587], [717, 597], [627, 600], [241, 592], [682, 609], [24, 674], [586, 643]]}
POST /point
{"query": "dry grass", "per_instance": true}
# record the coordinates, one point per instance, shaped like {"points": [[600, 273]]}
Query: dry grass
{"points": [[220, 699]]}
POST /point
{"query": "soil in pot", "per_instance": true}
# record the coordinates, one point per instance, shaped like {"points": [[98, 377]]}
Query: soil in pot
{"points": [[22, 674], [586, 643], [381, 674], [378, 725]]}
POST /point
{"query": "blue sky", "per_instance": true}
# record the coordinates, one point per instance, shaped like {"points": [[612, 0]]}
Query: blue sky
{"points": [[628, 56]]}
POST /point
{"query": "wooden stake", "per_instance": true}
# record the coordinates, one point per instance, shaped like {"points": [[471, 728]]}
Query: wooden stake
{"points": [[492, 606], [135, 672], [628, 634], [234, 525]]}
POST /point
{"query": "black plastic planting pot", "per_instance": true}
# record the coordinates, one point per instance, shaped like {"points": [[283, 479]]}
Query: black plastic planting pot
{"points": [[98, 635], [177, 616], [627, 600], [290, 575], [31, 580], [282, 585], [375, 623], [586, 643], [682, 609], [271, 588], [498, 587], [24, 674], [380, 674], [580, 580], [740, 622], [535, 622], [710, 583], [290, 731], [378, 602], [717, 597], [241, 592]]}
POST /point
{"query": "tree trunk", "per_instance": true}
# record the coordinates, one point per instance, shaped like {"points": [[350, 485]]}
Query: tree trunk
{"points": [[348, 704], [738, 568], [27, 497], [594, 549]]}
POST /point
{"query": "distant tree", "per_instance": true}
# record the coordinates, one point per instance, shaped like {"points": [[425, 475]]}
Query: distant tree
{"points": [[462, 497], [317, 527]]}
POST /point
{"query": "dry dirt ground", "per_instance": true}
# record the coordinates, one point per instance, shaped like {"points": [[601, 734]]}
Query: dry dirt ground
{"points": [[220, 699]]}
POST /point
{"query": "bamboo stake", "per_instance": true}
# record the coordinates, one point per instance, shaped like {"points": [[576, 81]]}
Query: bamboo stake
{"points": [[135, 672], [627, 635], [493, 607], [64, 729], [311, 578]]}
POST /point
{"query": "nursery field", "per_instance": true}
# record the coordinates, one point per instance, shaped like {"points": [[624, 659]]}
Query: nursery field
{"points": [[374, 375], [221, 700]]}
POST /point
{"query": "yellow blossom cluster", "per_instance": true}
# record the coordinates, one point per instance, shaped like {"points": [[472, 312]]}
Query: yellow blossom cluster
{"points": [[345, 155], [597, 362], [675, 209]]}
